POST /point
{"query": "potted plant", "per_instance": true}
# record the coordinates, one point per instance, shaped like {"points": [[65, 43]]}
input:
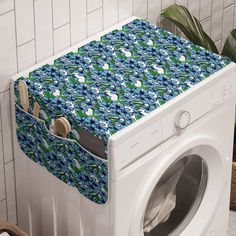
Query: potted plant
{"points": [[193, 30]]}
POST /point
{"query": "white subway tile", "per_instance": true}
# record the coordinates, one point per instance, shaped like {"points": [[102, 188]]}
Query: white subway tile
{"points": [[43, 29], [6, 5], [228, 22], [78, 17], [125, 9], [93, 5], [61, 11], [110, 13], [228, 3], [219, 45], [167, 3], [0, 115], [2, 181], [3, 210], [24, 21], [10, 191], [94, 22], [182, 2], [61, 38], [206, 24], [154, 10], [216, 19], [26, 55], [140, 8], [235, 15], [8, 61], [205, 9], [193, 7], [6, 126]]}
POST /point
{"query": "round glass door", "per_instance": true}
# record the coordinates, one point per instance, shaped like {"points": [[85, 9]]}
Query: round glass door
{"points": [[176, 197]]}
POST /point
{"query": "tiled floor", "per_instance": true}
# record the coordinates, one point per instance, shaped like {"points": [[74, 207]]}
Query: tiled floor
{"points": [[232, 224]]}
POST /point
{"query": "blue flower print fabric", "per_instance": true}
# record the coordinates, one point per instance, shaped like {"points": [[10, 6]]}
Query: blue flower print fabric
{"points": [[63, 158], [109, 84]]}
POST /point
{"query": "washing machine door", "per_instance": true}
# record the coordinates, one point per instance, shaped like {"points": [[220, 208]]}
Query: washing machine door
{"points": [[183, 199]]}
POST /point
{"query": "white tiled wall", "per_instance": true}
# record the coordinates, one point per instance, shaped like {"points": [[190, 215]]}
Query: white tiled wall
{"points": [[32, 30]]}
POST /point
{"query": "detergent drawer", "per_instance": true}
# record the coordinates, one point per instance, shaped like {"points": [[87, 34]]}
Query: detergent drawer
{"points": [[136, 146]]}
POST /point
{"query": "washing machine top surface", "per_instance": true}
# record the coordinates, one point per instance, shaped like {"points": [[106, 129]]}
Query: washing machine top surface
{"points": [[109, 84]]}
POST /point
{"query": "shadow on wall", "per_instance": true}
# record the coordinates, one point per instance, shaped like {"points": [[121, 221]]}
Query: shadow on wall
{"points": [[168, 25]]}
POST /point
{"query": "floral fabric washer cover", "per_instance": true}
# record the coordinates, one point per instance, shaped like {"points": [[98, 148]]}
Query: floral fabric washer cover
{"points": [[103, 87]]}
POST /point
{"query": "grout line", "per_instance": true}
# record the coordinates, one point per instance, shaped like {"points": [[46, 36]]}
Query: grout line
{"points": [[87, 19], [205, 19], [234, 15], [118, 9], [95, 10], [103, 28], [218, 40], [5, 91], [212, 3], [161, 18], [88, 12], [133, 7], [102, 9], [232, 4], [35, 51], [17, 63], [29, 41], [67, 23], [70, 22], [4, 13], [1, 114], [53, 43], [3, 200], [69, 11], [223, 16], [5, 184], [14, 177], [2, 151], [7, 162], [199, 9], [224, 8]]}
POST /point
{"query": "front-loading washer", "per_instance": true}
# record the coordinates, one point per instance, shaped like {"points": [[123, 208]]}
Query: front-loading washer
{"points": [[169, 172], [197, 158]]}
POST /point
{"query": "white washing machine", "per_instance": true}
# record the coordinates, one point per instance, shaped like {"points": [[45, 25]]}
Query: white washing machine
{"points": [[154, 153], [173, 166]]}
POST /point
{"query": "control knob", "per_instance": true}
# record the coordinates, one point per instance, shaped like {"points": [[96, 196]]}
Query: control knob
{"points": [[182, 119]]}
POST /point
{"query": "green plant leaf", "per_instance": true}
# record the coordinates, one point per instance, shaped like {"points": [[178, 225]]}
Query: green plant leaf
{"points": [[190, 26], [229, 49]]}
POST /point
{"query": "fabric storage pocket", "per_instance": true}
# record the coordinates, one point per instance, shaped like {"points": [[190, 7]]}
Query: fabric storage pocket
{"points": [[64, 158]]}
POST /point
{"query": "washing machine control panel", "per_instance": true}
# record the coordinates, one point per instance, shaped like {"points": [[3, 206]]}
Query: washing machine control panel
{"points": [[182, 119], [221, 92]]}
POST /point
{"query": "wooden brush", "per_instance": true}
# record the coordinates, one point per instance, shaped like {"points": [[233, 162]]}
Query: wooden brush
{"points": [[36, 110], [62, 126], [24, 95]]}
